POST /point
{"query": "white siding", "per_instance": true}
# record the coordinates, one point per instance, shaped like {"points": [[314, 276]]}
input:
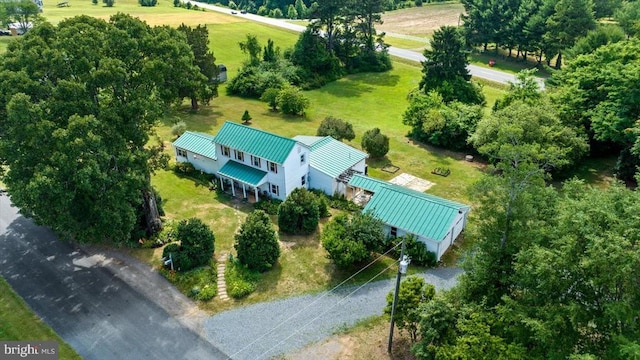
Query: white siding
{"points": [[294, 169], [321, 181], [199, 162], [437, 247]]}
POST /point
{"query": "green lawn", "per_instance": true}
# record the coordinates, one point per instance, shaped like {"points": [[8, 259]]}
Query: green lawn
{"points": [[4, 42], [18, 322]]}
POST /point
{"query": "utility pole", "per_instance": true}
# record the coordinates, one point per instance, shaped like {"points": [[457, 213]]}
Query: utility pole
{"points": [[402, 269]]}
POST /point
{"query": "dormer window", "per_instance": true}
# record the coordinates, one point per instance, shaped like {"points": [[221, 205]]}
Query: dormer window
{"points": [[239, 155]]}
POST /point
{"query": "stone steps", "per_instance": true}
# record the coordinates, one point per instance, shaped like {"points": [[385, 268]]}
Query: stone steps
{"points": [[222, 285]]}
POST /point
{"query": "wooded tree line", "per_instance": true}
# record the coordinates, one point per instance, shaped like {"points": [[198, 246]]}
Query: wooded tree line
{"points": [[302, 9], [78, 102], [545, 29], [589, 108]]}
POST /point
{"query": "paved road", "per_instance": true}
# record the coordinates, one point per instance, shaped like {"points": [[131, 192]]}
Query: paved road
{"points": [[477, 71], [265, 330], [81, 298]]}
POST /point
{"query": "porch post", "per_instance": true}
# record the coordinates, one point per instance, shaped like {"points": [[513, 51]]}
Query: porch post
{"points": [[255, 191], [233, 188], [221, 184], [244, 191]]}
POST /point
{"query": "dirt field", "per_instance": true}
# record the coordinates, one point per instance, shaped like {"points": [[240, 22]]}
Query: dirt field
{"points": [[421, 21]]}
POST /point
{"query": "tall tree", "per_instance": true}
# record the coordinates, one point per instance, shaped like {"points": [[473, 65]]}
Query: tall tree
{"points": [[628, 16], [571, 20], [328, 14], [78, 102], [22, 12], [367, 13], [251, 47], [445, 68], [257, 243], [198, 39]]}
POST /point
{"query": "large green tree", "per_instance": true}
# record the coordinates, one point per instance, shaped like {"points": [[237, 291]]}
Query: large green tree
{"points": [[299, 213], [413, 292], [78, 102], [198, 39], [445, 68], [571, 20], [256, 242], [22, 12]]}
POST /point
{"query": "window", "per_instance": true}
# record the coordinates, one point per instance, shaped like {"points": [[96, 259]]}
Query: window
{"points": [[182, 153], [304, 179], [275, 189], [273, 167], [302, 159], [239, 155], [255, 161], [393, 232], [225, 151]]}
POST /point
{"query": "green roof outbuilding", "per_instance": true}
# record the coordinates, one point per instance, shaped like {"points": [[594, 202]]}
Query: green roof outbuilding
{"points": [[414, 212]]}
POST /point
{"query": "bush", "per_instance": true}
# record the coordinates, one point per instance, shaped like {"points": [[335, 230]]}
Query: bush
{"points": [[299, 213], [173, 249], [176, 3], [196, 243], [375, 143], [270, 96], [351, 241], [292, 101], [109, 3], [148, 2], [416, 250], [256, 242], [240, 280], [207, 292], [179, 128], [270, 206], [336, 128], [186, 168]]}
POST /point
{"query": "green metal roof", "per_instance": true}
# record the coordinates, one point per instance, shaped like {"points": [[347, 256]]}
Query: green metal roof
{"points": [[414, 212], [367, 183], [243, 173], [198, 143], [255, 142], [333, 157], [307, 139]]}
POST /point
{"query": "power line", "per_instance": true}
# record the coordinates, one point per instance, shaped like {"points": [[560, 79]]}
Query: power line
{"points": [[316, 300], [326, 311]]}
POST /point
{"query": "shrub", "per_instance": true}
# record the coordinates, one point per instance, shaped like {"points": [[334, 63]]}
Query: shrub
{"points": [[351, 241], [292, 101], [270, 206], [149, 3], [179, 128], [109, 3], [270, 96], [167, 234], [197, 242], [176, 3], [299, 213], [336, 128], [173, 249], [240, 280], [186, 168], [256, 242], [416, 250], [375, 143], [207, 292], [246, 117]]}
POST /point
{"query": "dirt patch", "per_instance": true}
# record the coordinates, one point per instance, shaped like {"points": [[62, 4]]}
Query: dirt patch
{"points": [[421, 21], [412, 182]]}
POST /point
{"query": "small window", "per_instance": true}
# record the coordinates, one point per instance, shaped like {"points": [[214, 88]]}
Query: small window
{"points": [[275, 189], [302, 159], [225, 151], [255, 161], [239, 155], [273, 167], [303, 180], [182, 153], [393, 232]]}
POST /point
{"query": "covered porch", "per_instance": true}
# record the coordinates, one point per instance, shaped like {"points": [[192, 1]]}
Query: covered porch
{"points": [[242, 180]]}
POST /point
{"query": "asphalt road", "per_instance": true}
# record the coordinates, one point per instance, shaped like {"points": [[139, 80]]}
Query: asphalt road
{"points": [[90, 307], [474, 70]]}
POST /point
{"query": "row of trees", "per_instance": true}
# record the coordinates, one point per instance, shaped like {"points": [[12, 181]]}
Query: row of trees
{"points": [[299, 9], [546, 28], [584, 108], [78, 102]]}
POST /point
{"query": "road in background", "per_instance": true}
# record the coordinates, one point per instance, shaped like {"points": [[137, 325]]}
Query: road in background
{"points": [[474, 70]]}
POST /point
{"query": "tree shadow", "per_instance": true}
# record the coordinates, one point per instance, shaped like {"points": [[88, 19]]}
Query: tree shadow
{"points": [[347, 88], [380, 79]]}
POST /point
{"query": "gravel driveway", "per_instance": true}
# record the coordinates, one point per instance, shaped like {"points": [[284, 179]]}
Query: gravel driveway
{"points": [[265, 330]]}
